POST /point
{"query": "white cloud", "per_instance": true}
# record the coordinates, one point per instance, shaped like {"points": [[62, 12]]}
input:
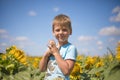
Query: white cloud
{"points": [[112, 30], [3, 44], [111, 39], [86, 38], [99, 42], [4, 36], [100, 47], [116, 18], [3, 31], [22, 41], [21, 38], [32, 13], [56, 9], [84, 50], [116, 9]]}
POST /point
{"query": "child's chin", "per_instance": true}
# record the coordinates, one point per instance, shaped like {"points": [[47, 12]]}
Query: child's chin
{"points": [[61, 40]]}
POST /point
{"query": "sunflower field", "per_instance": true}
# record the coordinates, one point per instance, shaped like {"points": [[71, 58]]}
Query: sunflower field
{"points": [[16, 65]]}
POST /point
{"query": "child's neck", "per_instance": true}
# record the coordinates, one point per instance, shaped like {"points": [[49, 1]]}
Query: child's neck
{"points": [[62, 43]]}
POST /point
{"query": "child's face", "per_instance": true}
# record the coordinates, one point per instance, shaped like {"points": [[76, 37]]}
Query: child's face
{"points": [[61, 33]]}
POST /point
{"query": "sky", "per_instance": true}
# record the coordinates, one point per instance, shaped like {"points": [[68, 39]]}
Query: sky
{"points": [[28, 24]]}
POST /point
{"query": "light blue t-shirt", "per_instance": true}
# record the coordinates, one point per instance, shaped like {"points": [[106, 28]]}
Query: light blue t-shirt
{"points": [[67, 51]]}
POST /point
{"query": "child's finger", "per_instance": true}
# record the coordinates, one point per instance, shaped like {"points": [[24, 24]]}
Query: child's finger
{"points": [[52, 42]]}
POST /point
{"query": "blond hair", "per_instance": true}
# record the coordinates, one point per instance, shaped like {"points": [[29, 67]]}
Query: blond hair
{"points": [[62, 20]]}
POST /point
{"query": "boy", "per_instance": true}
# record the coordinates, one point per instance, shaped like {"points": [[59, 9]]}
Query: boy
{"points": [[59, 59]]}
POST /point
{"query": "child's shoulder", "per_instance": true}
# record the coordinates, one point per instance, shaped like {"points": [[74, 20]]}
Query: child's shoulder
{"points": [[72, 46]]}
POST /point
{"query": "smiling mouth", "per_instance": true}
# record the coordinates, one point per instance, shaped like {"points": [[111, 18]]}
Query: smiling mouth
{"points": [[62, 39]]}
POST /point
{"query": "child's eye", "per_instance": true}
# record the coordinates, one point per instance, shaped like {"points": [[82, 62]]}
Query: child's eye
{"points": [[64, 30], [57, 30]]}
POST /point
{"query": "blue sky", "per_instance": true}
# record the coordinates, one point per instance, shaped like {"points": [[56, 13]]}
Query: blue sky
{"points": [[27, 24]]}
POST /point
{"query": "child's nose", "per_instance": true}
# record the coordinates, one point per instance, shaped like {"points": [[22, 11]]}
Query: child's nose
{"points": [[61, 32]]}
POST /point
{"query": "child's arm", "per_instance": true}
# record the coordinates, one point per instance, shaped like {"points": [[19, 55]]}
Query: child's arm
{"points": [[44, 61], [65, 65]]}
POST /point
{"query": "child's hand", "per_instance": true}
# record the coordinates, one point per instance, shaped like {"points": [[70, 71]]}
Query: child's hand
{"points": [[52, 47], [48, 53]]}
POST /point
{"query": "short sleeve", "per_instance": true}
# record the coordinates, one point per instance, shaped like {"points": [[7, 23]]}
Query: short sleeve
{"points": [[71, 53]]}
